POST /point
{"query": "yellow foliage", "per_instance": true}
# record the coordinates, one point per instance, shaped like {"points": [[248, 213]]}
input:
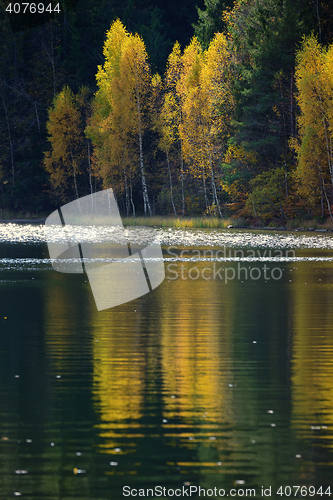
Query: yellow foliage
{"points": [[314, 79], [67, 141], [207, 103], [123, 88], [174, 68]]}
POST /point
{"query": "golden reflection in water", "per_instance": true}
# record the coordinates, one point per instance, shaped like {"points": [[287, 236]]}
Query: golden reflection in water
{"points": [[118, 373], [176, 344], [312, 351], [195, 343]]}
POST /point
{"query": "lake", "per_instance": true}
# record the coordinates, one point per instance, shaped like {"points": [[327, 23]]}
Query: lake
{"points": [[221, 377]]}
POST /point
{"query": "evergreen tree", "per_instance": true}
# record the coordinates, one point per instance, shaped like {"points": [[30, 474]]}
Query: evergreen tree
{"points": [[263, 36], [211, 20]]}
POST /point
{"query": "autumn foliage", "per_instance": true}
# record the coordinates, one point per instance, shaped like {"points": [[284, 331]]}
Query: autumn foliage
{"points": [[218, 134]]}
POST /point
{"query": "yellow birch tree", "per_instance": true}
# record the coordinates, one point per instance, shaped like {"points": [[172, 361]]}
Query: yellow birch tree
{"points": [[188, 90], [119, 120], [163, 122], [65, 129], [207, 106], [314, 80], [171, 113]]}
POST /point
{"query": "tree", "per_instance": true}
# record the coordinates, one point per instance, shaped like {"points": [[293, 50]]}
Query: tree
{"points": [[69, 157], [163, 110], [314, 81], [188, 89], [267, 199], [136, 76], [172, 111], [211, 21], [120, 119], [264, 35], [206, 110]]}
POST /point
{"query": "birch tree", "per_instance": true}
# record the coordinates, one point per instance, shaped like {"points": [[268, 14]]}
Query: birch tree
{"points": [[207, 106], [314, 80], [119, 121], [171, 113], [64, 128]]}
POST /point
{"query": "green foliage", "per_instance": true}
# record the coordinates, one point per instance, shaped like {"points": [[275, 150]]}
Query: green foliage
{"points": [[268, 195], [264, 35], [210, 20]]}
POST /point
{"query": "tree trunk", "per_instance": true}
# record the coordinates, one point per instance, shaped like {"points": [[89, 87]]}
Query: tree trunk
{"points": [[170, 179], [131, 197], [74, 177], [146, 203], [90, 181], [204, 188], [213, 182], [326, 131], [89, 166], [323, 191], [214, 190], [75, 184], [286, 177], [292, 121], [182, 180], [37, 116], [126, 193]]}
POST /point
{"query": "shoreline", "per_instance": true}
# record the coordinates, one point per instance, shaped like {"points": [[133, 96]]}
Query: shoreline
{"points": [[143, 222], [27, 221]]}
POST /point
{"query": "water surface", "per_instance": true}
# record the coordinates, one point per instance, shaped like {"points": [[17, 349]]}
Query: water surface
{"points": [[204, 381]]}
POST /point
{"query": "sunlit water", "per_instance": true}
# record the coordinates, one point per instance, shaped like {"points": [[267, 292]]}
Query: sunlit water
{"points": [[220, 377]]}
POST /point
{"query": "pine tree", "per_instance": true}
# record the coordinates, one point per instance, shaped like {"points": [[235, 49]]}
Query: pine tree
{"points": [[264, 35], [211, 20]]}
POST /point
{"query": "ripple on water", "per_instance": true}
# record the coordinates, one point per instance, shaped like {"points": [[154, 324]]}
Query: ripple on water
{"points": [[33, 233], [176, 237]]}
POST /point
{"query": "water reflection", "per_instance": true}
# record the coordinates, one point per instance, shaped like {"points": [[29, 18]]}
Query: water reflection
{"points": [[206, 376], [200, 381], [312, 374]]}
